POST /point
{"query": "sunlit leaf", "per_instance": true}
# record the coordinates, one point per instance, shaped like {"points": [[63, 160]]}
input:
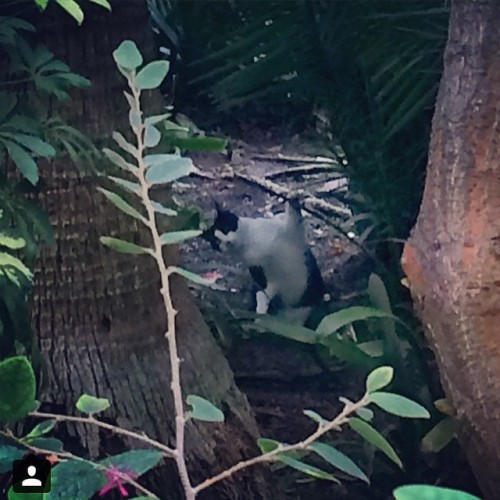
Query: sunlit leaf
{"points": [[399, 405], [12, 242], [91, 404], [428, 492], [152, 136], [127, 55], [266, 445], [177, 236], [165, 168], [203, 409], [72, 8], [379, 378], [42, 428], [151, 76]]}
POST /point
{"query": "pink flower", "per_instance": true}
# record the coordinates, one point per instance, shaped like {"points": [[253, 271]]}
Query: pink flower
{"points": [[115, 479]]}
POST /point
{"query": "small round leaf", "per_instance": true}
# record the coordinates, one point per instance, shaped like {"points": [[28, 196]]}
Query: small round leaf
{"points": [[151, 76], [91, 404], [127, 55], [379, 378]]}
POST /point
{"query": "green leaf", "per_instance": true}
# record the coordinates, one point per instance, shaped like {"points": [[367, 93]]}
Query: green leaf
{"points": [[203, 410], [338, 460], [440, 435], [134, 118], [315, 416], [12, 242], [7, 455], [379, 378], [133, 187], [125, 145], [306, 468], [151, 76], [177, 236], [195, 278], [119, 161], [198, 143], [23, 160], [46, 443], [154, 119], [75, 479], [428, 492], [266, 445], [122, 245], [8, 261], [399, 405], [42, 428], [365, 414], [17, 381], [32, 143], [152, 136], [72, 8], [91, 404], [163, 210], [370, 434], [120, 203], [334, 322], [138, 461], [12, 495], [164, 168], [102, 3], [127, 55]]}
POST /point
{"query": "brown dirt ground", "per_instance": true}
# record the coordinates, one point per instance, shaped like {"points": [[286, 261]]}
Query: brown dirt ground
{"points": [[282, 378]]}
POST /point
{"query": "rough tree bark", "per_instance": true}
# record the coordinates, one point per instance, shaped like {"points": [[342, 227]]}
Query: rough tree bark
{"points": [[98, 313], [452, 259]]}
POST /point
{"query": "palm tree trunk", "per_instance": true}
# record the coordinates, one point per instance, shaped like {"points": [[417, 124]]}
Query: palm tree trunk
{"points": [[99, 314], [453, 257]]}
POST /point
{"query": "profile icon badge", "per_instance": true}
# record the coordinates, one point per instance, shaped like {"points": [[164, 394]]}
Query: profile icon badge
{"points": [[31, 475]]}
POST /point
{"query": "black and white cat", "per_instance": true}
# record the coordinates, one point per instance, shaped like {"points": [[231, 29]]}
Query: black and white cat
{"points": [[279, 260]]}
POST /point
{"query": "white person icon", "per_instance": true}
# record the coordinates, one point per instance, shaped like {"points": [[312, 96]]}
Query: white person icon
{"points": [[31, 475], [31, 481]]}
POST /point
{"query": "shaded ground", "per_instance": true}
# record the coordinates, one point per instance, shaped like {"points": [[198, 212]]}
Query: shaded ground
{"points": [[282, 378]]}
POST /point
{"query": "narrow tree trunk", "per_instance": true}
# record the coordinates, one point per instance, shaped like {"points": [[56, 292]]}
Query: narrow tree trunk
{"points": [[99, 314], [453, 257]]}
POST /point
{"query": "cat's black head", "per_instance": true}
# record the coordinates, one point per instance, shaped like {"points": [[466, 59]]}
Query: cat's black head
{"points": [[223, 229]]}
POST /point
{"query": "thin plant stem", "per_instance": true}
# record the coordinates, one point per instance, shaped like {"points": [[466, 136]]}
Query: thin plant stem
{"points": [[66, 455], [169, 452], [170, 335], [272, 455]]}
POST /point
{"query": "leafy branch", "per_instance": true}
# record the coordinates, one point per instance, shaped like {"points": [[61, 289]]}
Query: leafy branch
{"points": [[148, 170]]}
